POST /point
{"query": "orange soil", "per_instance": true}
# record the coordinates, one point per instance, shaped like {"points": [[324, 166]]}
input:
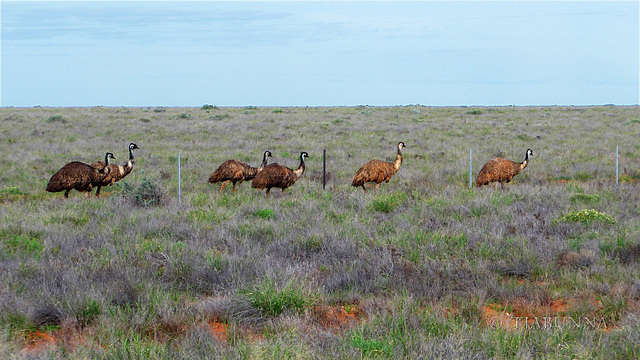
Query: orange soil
{"points": [[37, 341], [529, 316], [336, 318], [67, 336], [218, 329]]}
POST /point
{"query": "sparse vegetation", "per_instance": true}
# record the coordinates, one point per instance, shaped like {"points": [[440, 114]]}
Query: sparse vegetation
{"points": [[424, 267]]}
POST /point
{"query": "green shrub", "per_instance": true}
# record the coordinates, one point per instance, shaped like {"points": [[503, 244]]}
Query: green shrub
{"points": [[265, 214], [387, 203], [587, 216], [208, 107], [474, 112], [271, 301], [146, 194], [56, 118]]}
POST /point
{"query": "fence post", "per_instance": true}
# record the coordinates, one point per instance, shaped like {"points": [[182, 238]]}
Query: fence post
{"points": [[470, 171], [179, 178], [616, 165], [324, 168]]}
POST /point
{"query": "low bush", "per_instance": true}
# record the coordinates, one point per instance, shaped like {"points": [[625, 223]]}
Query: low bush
{"points": [[587, 216], [272, 301], [56, 118], [145, 194]]}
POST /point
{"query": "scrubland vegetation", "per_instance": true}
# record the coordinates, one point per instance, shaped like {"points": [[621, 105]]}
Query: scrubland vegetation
{"points": [[423, 268]]}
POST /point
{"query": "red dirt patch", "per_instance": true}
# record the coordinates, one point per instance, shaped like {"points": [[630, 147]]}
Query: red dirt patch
{"points": [[337, 318], [38, 341], [218, 329], [559, 306], [524, 315], [221, 331], [68, 336]]}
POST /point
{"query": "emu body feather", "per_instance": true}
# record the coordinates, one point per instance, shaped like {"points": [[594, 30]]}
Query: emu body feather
{"points": [[501, 170], [79, 176], [278, 176], [377, 171], [234, 171]]}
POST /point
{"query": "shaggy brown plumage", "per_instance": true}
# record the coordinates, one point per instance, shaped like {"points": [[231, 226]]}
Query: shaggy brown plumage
{"points": [[117, 172], [377, 171], [79, 176], [278, 176], [501, 170], [235, 171]]}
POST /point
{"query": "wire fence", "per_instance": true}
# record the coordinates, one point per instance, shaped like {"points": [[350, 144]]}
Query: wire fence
{"points": [[324, 170]]}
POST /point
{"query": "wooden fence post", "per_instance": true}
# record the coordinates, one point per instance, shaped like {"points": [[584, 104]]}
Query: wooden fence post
{"points": [[324, 168]]}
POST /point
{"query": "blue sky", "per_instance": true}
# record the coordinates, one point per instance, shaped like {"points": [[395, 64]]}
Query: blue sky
{"points": [[141, 53]]}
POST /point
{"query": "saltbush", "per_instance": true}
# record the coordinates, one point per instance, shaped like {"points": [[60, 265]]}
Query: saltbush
{"points": [[145, 194]]}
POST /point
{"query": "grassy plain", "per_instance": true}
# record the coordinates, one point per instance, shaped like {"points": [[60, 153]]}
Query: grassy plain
{"points": [[424, 268]]}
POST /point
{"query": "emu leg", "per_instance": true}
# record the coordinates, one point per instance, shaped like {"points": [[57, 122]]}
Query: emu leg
{"points": [[377, 186], [283, 194], [98, 191], [363, 188], [234, 186], [268, 190], [223, 185]]}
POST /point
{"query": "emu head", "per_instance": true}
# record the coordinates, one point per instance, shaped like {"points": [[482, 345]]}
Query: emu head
{"points": [[529, 153]]}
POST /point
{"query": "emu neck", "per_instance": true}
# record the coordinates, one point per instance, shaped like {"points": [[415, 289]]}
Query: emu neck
{"points": [[298, 172], [107, 166], [524, 164], [129, 165], [264, 162], [398, 161]]}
